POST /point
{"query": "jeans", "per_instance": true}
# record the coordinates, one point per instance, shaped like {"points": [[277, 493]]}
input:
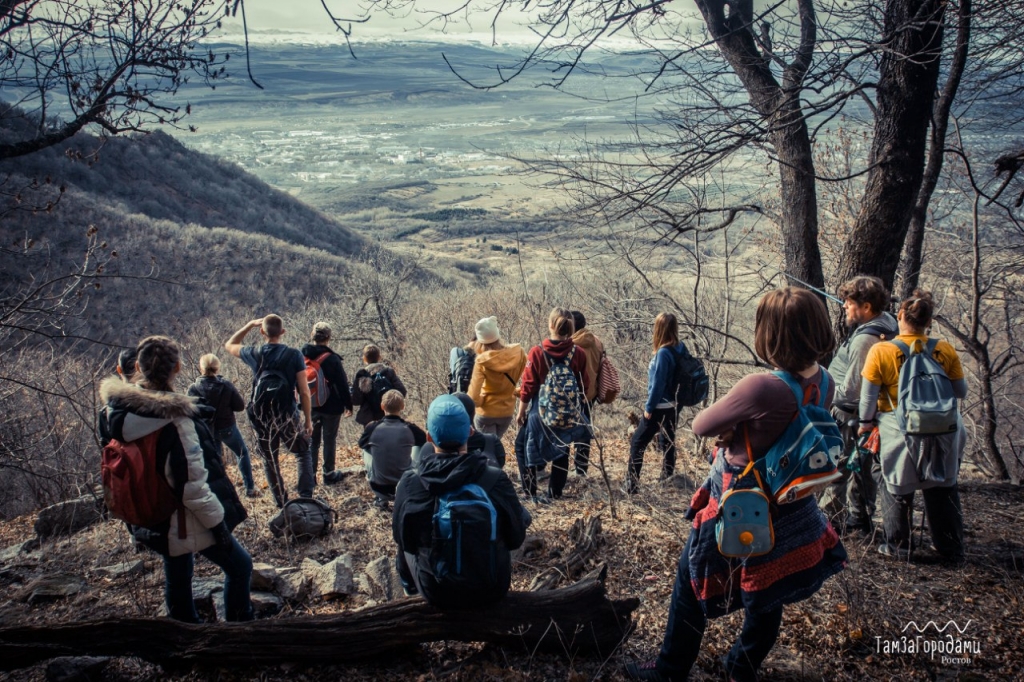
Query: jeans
{"points": [[232, 438], [237, 566], [663, 425], [945, 518], [268, 445], [686, 625], [325, 427]]}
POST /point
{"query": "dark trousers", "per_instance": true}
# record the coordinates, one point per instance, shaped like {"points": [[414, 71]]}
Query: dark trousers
{"points": [[581, 448], [232, 438], [850, 501], [268, 444], [237, 566], [663, 425], [528, 474], [325, 430], [685, 631], [945, 518]]}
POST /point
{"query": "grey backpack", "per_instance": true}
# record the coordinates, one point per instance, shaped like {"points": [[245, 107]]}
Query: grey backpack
{"points": [[926, 405], [304, 518]]}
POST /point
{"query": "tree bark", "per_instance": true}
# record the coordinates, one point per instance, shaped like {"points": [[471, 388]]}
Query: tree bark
{"points": [[908, 76], [572, 620], [586, 538], [913, 254]]}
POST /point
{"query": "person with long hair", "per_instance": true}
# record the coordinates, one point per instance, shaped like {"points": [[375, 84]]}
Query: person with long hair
{"points": [[544, 442], [902, 465], [661, 414], [792, 333], [191, 464], [496, 373]]}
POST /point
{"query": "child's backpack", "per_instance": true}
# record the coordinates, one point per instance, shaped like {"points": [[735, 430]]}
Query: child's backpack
{"points": [[608, 384], [134, 487], [319, 389], [744, 526], [460, 370], [464, 544], [804, 457], [303, 518], [925, 404], [558, 400], [689, 378]]}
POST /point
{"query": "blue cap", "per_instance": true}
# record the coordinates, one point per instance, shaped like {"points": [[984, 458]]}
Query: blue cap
{"points": [[448, 422]]}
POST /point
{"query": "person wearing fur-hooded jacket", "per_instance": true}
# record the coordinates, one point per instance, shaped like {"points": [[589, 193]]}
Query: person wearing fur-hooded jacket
{"points": [[191, 463], [496, 372]]}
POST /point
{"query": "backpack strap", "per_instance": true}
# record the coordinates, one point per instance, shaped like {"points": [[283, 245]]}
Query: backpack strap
{"points": [[803, 397], [930, 347], [904, 348], [489, 478]]}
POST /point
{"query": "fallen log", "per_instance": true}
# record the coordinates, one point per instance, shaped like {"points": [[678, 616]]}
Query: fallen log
{"points": [[586, 538], [578, 619]]}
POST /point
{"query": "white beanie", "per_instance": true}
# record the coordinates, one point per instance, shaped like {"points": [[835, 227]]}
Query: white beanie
{"points": [[487, 330]]}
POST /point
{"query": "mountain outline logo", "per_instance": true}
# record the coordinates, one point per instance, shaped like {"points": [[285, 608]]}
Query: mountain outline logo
{"points": [[935, 625]]}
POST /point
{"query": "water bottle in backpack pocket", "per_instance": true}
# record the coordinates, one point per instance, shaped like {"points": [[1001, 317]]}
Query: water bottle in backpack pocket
{"points": [[744, 526]]}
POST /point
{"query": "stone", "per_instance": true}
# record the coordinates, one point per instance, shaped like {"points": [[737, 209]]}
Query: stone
{"points": [[122, 570], [334, 580], [50, 588], [67, 518], [203, 588], [263, 577], [309, 567], [264, 605], [382, 579], [292, 586], [14, 552], [76, 668]]}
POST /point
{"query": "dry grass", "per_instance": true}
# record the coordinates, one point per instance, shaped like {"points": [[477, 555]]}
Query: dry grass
{"points": [[831, 636]]}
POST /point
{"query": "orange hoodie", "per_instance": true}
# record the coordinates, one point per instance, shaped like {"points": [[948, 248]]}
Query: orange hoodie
{"points": [[495, 375], [594, 349]]}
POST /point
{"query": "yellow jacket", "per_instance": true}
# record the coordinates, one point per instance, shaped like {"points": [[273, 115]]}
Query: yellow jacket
{"points": [[594, 350], [495, 375]]}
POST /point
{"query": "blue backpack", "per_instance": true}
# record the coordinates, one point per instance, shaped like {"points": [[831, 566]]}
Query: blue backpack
{"points": [[926, 404], [464, 546], [804, 457], [744, 527]]}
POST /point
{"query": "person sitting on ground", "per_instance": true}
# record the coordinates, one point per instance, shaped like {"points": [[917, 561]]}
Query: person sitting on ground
{"points": [[426, 558], [495, 374], [487, 444], [850, 502], [388, 448], [371, 383], [278, 373], [933, 466], [125, 368], [191, 464], [221, 395], [327, 417]]}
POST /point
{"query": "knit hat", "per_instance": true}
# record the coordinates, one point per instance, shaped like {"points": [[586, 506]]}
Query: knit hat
{"points": [[447, 422], [487, 330]]}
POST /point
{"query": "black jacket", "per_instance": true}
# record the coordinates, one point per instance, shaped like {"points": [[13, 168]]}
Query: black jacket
{"points": [[222, 396], [339, 401], [412, 522], [362, 389]]}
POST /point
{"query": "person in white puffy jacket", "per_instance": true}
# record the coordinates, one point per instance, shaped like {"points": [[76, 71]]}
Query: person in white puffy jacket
{"points": [[191, 463]]}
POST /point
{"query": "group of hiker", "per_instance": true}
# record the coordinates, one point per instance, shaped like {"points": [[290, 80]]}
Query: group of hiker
{"points": [[766, 526]]}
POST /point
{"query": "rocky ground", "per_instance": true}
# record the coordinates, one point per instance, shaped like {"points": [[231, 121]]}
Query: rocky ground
{"points": [[847, 631]]}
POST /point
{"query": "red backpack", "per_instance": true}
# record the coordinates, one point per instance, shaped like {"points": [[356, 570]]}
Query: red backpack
{"points": [[134, 488], [319, 390]]}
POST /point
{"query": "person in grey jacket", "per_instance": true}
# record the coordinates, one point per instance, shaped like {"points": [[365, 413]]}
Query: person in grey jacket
{"points": [[388, 448], [850, 502]]}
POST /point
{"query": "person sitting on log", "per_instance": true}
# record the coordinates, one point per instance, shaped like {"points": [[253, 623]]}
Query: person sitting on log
{"points": [[456, 519], [388, 448]]}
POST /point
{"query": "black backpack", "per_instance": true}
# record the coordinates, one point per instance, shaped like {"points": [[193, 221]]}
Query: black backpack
{"points": [[464, 541], [461, 373], [381, 385], [209, 398], [689, 378], [273, 397]]}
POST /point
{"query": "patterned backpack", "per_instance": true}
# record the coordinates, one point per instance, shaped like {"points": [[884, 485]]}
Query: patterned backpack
{"points": [[559, 398]]}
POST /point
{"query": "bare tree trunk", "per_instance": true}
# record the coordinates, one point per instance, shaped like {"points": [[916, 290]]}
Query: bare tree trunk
{"points": [[912, 257], [908, 75], [575, 619]]}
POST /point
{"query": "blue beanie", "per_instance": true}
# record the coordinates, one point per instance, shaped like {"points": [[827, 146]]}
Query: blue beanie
{"points": [[448, 422]]}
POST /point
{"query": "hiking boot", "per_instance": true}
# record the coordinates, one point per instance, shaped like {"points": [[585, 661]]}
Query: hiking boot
{"points": [[645, 671], [252, 492], [541, 499], [382, 505], [332, 477], [900, 553]]}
